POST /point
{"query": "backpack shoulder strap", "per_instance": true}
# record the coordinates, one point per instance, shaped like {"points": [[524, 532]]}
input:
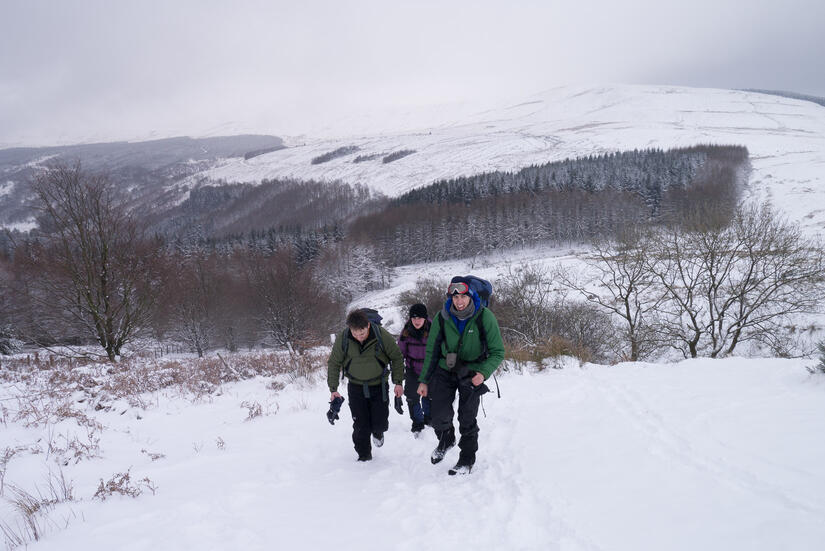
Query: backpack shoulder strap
{"points": [[344, 342], [344, 348], [482, 335], [439, 339], [379, 345]]}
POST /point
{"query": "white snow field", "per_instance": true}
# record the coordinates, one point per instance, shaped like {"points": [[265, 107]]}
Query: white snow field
{"points": [[702, 454], [785, 137]]}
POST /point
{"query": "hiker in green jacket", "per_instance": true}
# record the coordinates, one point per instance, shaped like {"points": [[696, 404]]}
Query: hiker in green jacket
{"points": [[364, 351], [458, 360]]}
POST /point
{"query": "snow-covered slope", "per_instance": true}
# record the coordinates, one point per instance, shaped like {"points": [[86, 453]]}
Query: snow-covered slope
{"points": [[786, 139], [704, 454]]}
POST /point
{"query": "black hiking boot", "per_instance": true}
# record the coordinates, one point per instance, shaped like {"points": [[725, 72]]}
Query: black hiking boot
{"points": [[365, 456], [466, 460], [378, 439], [446, 442], [460, 468]]}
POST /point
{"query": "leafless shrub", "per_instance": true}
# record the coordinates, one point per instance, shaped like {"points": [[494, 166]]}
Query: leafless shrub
{"points": [[14, 538], [60, 489], [67, 391], [220, 443], [818, 368], [516, 360], [302, 365], [29, 508], [712, 280], [204, 375], [276, 386], [429, 292], [148, 484], [8, 453], [624, 287], [557, 346], [33, 510], [50, 408], [65, 410], [516, 365], [535, 317], [153, 456], [729, 284], [121, 483], [69, 447], [254, 408]]}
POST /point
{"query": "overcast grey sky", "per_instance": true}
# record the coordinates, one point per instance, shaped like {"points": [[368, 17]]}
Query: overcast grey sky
{"points": [[90, 70]]}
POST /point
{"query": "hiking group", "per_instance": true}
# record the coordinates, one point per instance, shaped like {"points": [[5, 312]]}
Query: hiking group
{"points": [[455, 352]]}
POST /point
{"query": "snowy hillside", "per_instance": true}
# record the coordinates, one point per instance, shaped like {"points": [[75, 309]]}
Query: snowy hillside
{"points": [[786, 139], [703, 454]]}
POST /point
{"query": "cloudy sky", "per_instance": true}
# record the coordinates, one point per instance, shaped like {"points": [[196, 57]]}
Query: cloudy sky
{"points": [[87, 70]]}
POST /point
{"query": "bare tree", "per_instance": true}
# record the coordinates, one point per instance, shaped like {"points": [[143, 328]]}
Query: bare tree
{"points": [[730, 284], [194, 310], [680, 275], [347, 271], [293, 307], [524, 304], [536, 316], [622, 285], [94, 268], [779, 274]]}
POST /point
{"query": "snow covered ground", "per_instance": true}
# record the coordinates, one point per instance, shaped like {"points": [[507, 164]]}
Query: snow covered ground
{"points": [[702, 454]]}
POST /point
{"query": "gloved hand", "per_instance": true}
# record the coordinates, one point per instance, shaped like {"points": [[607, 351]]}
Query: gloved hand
{"points": [[334, 408], [398, 406]]}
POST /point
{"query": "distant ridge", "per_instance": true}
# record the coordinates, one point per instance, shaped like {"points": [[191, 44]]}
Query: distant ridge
{"points": [[792, 95]]}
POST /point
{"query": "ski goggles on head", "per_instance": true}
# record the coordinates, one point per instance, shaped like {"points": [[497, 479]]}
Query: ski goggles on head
{"points": [[458, 288]]}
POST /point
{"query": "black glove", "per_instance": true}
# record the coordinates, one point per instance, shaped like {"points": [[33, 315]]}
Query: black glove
{"points": [[334, 408], [398, 406]]}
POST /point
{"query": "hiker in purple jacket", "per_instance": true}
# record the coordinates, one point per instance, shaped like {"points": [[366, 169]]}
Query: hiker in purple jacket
{"points": [[413, 345]]}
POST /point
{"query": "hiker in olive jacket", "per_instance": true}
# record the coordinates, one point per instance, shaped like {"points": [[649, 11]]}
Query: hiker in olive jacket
{"points": [[364, 361], [456, 360]]}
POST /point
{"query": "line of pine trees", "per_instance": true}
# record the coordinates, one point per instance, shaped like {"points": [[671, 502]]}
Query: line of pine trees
{"points": [[568, 201]]}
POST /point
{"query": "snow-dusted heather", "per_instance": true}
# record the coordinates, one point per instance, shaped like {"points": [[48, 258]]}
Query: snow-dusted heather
{"points": [[785, 137], [702, 454]]}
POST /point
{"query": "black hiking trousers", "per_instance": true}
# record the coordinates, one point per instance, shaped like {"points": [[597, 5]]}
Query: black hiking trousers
{"points": [[441, 391], [370, 414]]}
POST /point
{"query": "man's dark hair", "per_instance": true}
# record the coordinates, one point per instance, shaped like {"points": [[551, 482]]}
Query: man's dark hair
{"points": [[357, 319]]}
